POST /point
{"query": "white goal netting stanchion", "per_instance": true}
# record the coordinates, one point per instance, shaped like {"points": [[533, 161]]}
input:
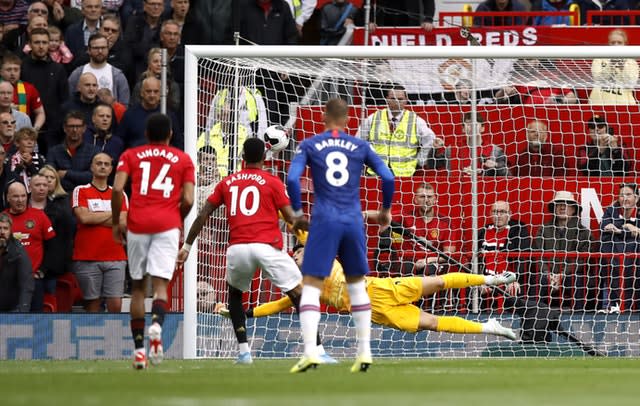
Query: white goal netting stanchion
{"points": [[524, 157]]}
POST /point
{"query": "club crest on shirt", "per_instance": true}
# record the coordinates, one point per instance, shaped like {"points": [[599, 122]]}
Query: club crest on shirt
{"points": [[30, 224], [434, 233]]}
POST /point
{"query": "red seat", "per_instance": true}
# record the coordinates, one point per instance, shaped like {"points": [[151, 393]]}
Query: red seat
{"points": [[50, 303], [67, 292]]}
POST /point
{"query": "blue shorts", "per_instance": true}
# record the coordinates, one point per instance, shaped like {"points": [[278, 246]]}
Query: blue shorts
{"points": [[330, 239]]}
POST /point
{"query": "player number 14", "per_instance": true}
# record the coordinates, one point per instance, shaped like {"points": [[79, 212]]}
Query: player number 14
{"points": [[161, 182]]}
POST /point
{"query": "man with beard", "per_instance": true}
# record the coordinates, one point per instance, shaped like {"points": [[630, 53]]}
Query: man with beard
{"points": [[16, 282], [108, 76], [538, 157]]}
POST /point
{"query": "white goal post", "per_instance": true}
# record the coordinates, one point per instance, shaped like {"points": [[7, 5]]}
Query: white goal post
{"points": [[292, 83]]}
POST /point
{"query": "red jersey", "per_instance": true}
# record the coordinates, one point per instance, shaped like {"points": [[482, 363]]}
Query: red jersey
{"points": [[157, 173], [29, 100], [437, 231], [461, 156], [494, 241], [253, 198], [94, 242], [32, 228]]}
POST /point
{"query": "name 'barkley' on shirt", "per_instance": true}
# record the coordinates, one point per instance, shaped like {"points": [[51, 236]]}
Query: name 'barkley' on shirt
{"points": [[320, 145]]}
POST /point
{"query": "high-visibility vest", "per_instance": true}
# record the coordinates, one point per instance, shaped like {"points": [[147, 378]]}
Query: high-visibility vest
{"points": [[215, 139], [400, 149], [297, 8], [250, 101]]}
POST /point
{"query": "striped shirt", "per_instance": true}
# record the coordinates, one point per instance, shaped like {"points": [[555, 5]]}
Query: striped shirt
{"points": [[17, 14]]}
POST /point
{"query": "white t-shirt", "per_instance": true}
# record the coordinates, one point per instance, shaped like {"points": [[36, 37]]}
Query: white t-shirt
{"points": [[104, 76]]}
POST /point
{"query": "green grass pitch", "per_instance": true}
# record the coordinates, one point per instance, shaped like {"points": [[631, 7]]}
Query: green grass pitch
{"points": [[469, 382]]}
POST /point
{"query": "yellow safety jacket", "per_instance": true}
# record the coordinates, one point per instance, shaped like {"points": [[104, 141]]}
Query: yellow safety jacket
{"points": [[215, 139], [400, 149], [250, 101]]}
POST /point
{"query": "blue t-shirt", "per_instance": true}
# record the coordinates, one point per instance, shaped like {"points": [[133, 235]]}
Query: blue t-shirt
{"points": [[336, 161]]}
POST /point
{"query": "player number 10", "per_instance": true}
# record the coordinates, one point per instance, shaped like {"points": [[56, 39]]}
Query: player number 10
{"points": [[242, 203]]}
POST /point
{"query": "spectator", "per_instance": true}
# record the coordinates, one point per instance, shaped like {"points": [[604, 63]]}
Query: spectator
{"points": [[568, 278], [551, 6], [57, 258], [542, 83], [99, 263], [267, 22], [178, 12], [620, 234], [608, 5], [50, 79], [58, 50], [77, 35], [463, 90], [403, 13], [208, 22], [131, 129], [26, 97], [220, 138], [108, 76], [117, 54], [16, 39], [504, 234], [111, 6], [7, 133], [33, 229], [614, 79], [25, 162], [208, 172], [491, 158], [301, 10], [142, 31], [385, 128], [5, 177], [154, 69], [252, 113], [501, 6], [603, 155], [16, 279], [6, 106], [422, 218], [170, 39], [72, 158], [105, 97], [334, 18], [13, 14], [538, 157], [102, 136], [62, 15], [86, 97]]}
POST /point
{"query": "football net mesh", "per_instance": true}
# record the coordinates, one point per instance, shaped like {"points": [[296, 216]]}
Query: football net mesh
{"points": [[554, 141]]}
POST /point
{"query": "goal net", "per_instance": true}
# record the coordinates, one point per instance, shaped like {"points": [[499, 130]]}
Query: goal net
{"points": [[507, 159]]}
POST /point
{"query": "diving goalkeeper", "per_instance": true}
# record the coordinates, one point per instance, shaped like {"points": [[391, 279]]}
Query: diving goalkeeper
{"points": [[392, 300]]}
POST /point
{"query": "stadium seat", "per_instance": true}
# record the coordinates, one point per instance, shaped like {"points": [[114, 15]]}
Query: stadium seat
{"points": [[50, 303], [67, 292]]}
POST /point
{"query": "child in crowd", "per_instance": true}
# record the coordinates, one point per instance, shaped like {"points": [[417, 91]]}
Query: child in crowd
{"points": [[58, 50]]}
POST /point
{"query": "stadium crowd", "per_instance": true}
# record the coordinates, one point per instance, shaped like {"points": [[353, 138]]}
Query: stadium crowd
{"points": [[80, 77]]}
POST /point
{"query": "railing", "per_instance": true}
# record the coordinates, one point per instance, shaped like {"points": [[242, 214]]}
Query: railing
{"points": [[505, 18], [613, 17]]}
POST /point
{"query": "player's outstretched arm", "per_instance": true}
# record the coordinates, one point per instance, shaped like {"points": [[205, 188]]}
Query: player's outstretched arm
{"points": [[196, 227]]}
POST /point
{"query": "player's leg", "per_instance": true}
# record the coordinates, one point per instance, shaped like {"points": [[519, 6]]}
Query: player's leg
{"points": [[458, 280], [320, 251], [241, 266], [162, 254], [458, 325], [137, 248], [352, 251], [89, 278]]}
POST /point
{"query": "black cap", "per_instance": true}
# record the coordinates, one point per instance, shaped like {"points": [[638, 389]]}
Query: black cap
{"points": [[596, 121]]}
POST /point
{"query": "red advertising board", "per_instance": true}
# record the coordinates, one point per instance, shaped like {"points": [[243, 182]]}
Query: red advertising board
{"points": [[524, 35]]}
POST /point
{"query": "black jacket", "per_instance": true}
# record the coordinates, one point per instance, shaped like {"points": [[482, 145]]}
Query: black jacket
{"points": [[403, 13], [16, 279], [208, 22], [57, 256], [278, 28]]}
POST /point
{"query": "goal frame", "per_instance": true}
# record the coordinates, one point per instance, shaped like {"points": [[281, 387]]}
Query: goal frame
{"points": [[193, 52]]}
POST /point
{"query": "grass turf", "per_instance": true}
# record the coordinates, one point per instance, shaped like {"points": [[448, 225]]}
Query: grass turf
{"points": [[469, 382]]}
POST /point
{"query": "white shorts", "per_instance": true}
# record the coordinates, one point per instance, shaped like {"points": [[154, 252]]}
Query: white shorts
{"points": [[244, 259], [153, 254]]}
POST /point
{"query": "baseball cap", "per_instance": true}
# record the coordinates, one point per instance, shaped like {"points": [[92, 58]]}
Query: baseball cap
{"points": [[596, 121]]}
